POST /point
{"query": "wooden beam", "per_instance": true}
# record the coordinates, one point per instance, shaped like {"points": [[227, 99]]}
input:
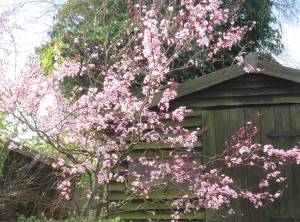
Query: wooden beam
{"points": [[284, 133], [270, 69], [251, 59], [204, 82], [279, 71]]}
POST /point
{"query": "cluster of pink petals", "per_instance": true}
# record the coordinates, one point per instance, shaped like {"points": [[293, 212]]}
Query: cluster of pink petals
{"points": [[63, 187], [239, 60], [13, 146], [57, 162], [249, 69]]}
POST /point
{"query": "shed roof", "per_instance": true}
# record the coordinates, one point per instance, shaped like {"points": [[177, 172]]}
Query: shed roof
{"points": [[231, 72], [28, 152]]}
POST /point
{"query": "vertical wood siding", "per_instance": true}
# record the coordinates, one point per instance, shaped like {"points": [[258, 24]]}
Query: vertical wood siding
{"points": [[274, 119]]}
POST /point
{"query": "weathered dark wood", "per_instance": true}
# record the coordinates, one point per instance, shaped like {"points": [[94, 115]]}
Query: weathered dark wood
{"points": [[166, 182], [188, 122], [170, 134], [28, 152], [283, 123], [275, 93], [279, 71], [251, 59], [222, 131], [239, 174], [204, 82], [195, 112], [30, 186], [289, 133], [267, 124], [162, 193], [254, 173], [160, 145], [289, 217], [252, 91], [161, 215], [235, 101], [209, 141], [114, 185], [142, 205], [251, 77], [295, 125], [163, 151], [246, 84], [231, 72]]}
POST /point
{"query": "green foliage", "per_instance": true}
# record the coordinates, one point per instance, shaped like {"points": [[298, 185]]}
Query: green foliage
{"points": [[2, 164], [48, 55], [22, 218], [35, 143], [8, 169], [7, 127], [264, 36], [95, 23]]}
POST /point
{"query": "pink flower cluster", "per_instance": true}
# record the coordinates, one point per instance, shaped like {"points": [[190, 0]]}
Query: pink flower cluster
{"points": [[63, 187], [13, 146], [58, 162]]}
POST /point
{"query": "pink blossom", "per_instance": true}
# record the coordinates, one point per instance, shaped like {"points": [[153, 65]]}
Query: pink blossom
{"points": [[58, 162], [249, 69], [281, 179], [12, 146], [88, 165], [63, 187], [239, 59], [113, 204], [88, 193], [264, 183], [231, 211], [273, 174]]}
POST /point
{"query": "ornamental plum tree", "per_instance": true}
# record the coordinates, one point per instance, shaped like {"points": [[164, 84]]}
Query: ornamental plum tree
{"points": [[95, 132]]}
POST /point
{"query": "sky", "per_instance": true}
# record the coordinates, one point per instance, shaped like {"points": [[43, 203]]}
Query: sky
{"points": [[291, 38], [35, 19]]}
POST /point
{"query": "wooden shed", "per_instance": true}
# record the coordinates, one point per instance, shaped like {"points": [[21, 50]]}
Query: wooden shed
{"points": [[223, 101], [29, 186]]}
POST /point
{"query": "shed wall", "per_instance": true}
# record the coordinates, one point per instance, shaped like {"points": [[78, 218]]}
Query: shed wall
{"points": [[224, 108], [274, 119]]}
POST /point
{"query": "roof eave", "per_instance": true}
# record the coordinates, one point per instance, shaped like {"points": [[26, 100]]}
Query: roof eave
{"points": [[204, 82], [279, 71]]}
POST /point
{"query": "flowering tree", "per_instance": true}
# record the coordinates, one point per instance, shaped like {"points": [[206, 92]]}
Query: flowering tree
{"points": [[93, 133]]}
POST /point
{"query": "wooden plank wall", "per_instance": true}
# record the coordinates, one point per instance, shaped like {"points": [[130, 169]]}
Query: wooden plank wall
{"points": [[224, 108], [154, 206], [249, 89], [279, 118]]}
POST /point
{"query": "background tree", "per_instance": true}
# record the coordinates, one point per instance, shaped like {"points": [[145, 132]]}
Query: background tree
{"points": [[96, 22]]}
